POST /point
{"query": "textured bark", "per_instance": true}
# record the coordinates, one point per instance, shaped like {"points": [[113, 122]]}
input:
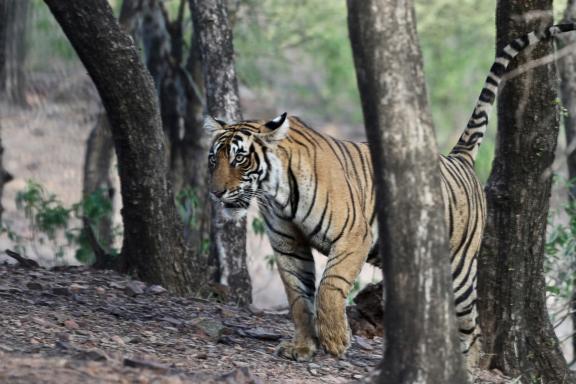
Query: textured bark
{"points": [[152, 247], [97, 176], [518, 334], [421, 337], [13, 32], [567, 71], [228, 248]]}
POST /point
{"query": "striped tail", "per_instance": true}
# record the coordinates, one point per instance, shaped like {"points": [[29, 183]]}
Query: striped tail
{"points": [[470, 140]]}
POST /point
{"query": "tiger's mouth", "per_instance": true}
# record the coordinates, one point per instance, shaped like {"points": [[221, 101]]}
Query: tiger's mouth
{"points": [[235, 204]]}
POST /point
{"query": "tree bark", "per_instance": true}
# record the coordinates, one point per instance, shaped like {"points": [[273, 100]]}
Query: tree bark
{"points": [[152, 246], [517, 331], [228, 248], [421, 336], [97, 172], [13, 32], [567, 71]]}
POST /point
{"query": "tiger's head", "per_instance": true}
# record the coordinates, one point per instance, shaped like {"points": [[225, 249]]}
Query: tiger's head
{"points": [[242, 161]]}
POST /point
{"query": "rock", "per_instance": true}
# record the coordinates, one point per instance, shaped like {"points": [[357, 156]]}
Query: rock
{"points": [[357, 376], [92, 355], [156, 289], [118, 340], [262, 334], [75, 288], [343, 364], [363, 343], [313, 369], [61, 291], [239, 376], [71, 324], [35, 286], [172, 321], [135, 287], [117, 285], [209, 327], [100, 291], [141, 363]]}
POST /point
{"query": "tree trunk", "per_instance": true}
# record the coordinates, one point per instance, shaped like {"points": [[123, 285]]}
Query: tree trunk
{"points": [[421, 336], [567, 70], [214, 35], [130, 19], [518, 334], [13, 43], [97, 171], [152, 246]]}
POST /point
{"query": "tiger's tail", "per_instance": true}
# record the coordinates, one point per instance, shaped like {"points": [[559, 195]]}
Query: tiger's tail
{"points": [[472, 136]]}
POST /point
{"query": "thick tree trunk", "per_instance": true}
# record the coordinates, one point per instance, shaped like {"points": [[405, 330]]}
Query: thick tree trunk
{"points": [[13, 32], [421, 336], [512, 306], [217, 56], [567, 70], [152, 246]]}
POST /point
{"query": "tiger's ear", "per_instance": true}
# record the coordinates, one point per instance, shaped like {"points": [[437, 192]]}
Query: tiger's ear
{"points": [[278, 129], [212, 126]]}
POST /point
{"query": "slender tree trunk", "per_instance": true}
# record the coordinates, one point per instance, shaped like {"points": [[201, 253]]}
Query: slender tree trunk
{"points": [[518, 334], [13, 32], [217, 56], [152, 245], [97, 176], [567, 70], [130, 19], [421, 336]]}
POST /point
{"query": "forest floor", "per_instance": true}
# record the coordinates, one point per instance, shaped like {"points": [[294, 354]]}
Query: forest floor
{"points": [[73, 324]]}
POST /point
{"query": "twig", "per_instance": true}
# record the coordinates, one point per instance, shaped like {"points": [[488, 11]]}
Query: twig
{"points": [[22, 261]]}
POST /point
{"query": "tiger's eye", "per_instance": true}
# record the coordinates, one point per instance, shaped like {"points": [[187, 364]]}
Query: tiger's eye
{"points": [[239, 158]]}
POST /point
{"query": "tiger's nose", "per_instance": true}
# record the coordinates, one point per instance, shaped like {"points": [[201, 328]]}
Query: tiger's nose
{"points": [[219, 194]]}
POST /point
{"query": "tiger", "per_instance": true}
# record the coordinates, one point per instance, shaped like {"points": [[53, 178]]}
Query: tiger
{"points": [[317, 192]]}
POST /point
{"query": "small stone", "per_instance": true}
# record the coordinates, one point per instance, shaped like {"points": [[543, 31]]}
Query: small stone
{"points": [[156, 289], [75, 288], [314, 366], [118, 340], [201, 356], [35, 286], [357, 376], [210, 327], [61, 291], [262, 334], [100, 290], [71, 324], [363, 343], [342, 364], [140, 363], [135, 287], [115, 284]]}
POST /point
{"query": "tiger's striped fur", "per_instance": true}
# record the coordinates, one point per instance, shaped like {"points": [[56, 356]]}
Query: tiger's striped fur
{"points": [[315, 191]]}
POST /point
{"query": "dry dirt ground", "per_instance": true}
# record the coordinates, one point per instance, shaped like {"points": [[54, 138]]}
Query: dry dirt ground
{"points": [[75, 325]]}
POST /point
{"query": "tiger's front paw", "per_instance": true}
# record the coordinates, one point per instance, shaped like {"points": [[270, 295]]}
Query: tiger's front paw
{"points": [[297, 351], [333, 332]]}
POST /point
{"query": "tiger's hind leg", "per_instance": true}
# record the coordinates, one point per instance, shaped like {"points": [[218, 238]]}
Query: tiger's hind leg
{"points": [[467, 318], [344, 264], [296, 266]]}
